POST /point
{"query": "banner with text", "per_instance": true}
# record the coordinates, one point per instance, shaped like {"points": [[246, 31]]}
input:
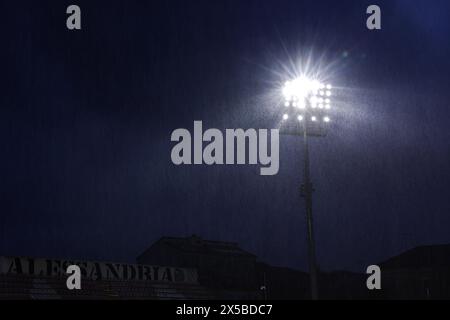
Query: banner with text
{"points": [[96, 270]]}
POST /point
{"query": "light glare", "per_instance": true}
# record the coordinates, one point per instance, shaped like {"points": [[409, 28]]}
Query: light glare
{"points": [[301, 88]]}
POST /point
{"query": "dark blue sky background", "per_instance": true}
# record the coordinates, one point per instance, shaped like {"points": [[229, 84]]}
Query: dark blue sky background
{"points": [[86, 119]]}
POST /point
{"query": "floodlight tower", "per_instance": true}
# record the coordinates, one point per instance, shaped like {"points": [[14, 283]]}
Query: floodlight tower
{"points": [[307, 103]]}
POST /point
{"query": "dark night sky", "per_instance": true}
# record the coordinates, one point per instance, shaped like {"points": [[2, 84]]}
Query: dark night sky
{"points": [[86, 119]]}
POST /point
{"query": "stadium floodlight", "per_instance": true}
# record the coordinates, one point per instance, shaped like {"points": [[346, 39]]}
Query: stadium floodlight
{"points": [[300, 88], [308, 101], [304, 94]]}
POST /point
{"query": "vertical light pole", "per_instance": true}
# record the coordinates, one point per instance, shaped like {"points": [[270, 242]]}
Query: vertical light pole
{"points": [[308, 102], [306, 192]]}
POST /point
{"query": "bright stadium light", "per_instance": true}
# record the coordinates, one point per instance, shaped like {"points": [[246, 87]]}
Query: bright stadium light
{"points": [[309, 95], [314, 98], [300, 89]]}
